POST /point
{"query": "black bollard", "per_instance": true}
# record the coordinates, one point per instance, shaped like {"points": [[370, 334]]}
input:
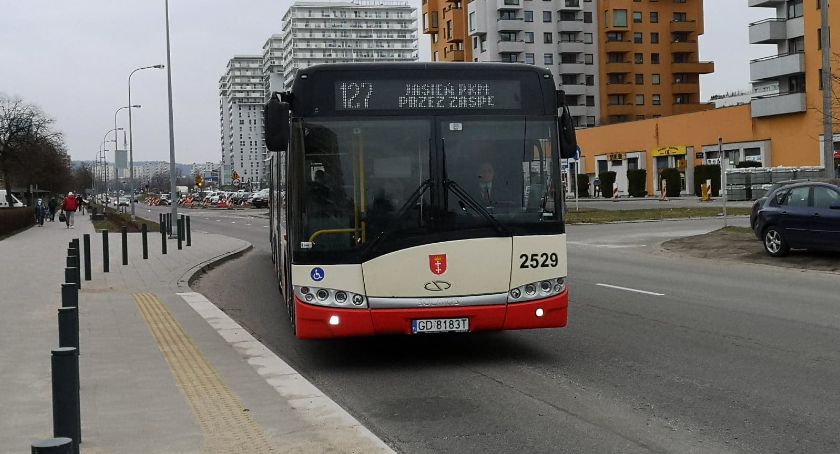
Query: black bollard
{"points": [[87, 256], [180, 243], [70, 276], [68, 327], [169, 223], [125, 245], [160, 222], [189, 232], [60, 445], [163, 243], [67, 421], [143, 233], [106, 255], [69, 295]]}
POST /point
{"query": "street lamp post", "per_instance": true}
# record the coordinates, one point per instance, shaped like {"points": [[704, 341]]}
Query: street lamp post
{"points": [[105, 160], [116, 147], [131, 138], [174, 201]]}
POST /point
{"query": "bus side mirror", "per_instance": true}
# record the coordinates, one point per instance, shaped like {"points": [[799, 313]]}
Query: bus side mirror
{"points": [[277, 127], [566, 128]]}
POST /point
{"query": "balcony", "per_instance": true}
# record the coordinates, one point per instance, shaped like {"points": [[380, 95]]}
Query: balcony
{"points": [[510, 25], [620, 109], [574, 89], [571, 25], [685, 26], [576, 47], [786, 103], [697, 67], [508, 4], [623, 88], [768, 31], [677, 109], [682, 88], [684, 46], [511, 47], [571, 5], [618, 46], [619, 67], [777, 66], [452, 55], [766, 3]]}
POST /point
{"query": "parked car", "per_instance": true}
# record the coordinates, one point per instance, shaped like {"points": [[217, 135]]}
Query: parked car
{"points": [[4, 203], [759, 203], [260, 199], [800, 216]]}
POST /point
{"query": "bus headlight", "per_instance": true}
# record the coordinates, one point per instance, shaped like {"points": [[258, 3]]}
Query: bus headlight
{"points": [[329, 297], [529, 292]]}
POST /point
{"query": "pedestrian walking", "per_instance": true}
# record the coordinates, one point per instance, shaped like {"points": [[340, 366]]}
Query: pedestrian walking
{"points": [[597, 187], [80, 204], [40, 212], [69, 207], [52, 205]]}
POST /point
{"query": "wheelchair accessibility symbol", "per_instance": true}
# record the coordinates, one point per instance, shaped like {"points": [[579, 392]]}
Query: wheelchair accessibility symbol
{"points": [[317, 274]]}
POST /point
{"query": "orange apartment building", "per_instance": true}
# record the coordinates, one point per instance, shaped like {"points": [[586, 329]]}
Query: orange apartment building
{"points": [[446, 24], [649, 59], [782, 129]]}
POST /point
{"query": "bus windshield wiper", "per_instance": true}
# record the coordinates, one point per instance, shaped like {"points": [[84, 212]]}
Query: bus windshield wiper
{"points": [[412, 200], [472, 203]]}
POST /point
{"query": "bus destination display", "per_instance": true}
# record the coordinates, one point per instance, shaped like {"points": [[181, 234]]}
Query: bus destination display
{"points": [[428, 95]]}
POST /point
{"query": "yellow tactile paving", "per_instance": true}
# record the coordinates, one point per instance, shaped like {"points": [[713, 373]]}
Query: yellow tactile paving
{"points": [[226, 424]]}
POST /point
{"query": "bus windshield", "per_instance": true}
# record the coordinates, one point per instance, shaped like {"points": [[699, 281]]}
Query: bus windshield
{"points": [[385, 183]]}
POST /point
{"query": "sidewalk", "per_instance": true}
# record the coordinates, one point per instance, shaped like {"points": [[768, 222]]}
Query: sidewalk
{"points": [[162, 369]]}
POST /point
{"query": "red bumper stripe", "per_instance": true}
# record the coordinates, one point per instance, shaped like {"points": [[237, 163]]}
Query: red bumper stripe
{"points": [[313, 322]]}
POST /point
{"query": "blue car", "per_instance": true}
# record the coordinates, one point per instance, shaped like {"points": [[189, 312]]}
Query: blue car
{"points": [[800, 216]]}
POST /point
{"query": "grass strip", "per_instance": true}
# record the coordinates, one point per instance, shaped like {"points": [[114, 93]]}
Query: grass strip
{"points": [[114, 221], [591, 216]]}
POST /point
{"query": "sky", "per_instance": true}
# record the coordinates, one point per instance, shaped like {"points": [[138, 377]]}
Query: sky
{"points": [[73, 58]]}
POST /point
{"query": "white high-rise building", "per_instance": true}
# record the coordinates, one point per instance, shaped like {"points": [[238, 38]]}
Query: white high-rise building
{"points": [[345, 32], [241, 97], [272, 65], [560, 35]]}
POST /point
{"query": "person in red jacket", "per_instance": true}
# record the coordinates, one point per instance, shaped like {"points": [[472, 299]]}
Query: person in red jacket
{"points": [[69, 207]]}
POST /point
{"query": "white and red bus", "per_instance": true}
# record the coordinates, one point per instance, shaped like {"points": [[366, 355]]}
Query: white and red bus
{"points": [[418, 198]]}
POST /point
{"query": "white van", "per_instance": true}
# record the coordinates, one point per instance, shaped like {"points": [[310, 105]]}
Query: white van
{"points": [[5, 204]]}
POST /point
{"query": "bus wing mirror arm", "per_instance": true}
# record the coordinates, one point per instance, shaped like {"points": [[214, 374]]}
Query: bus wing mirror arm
{"points": [[566, 128], [277, 126]]}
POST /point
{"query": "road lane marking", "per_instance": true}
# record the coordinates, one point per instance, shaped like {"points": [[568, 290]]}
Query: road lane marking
{"points": [[233, 222], [247, 224], [226, 426], [340, 432], [631, 289], [607, 246]]}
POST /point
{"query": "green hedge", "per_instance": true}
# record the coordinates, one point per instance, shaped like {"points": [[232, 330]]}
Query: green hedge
{"points": [[607, 183], [583, 185], [707, 172], [637, 182], [672, 176]]}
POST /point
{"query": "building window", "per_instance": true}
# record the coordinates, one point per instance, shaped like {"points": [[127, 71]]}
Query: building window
{"points": [[546, 16], [637, 17], [548, 59], [656, 100], [529, 16], [638, 58], [619, 18], [590, 101], [654, 38], [587, 38], [654, 17], [640, 100], [588, 59], [655, 79], [587, 17], [547, 38], [529, 37], [472, 21], [795, 8], [529, 59], [654, 58], [640, 79], [590, 80], [638, 38]]}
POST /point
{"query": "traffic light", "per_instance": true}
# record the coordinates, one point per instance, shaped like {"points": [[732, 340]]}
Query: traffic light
{"points": [[199, 181]]}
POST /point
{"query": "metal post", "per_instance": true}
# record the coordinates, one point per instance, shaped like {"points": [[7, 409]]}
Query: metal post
{"points": [[86, 242], [180, 240], [724, 191], [143, 233], [69, 295], [828, 134], [124, 245], [163, 243], [105, 252], [160, 222], [60, 445], [68, 327], [67, 421], [189, 232], [172, 183]]}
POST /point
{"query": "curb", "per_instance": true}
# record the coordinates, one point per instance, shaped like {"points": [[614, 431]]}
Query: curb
{"points": [[190, 276], [639, 221]]}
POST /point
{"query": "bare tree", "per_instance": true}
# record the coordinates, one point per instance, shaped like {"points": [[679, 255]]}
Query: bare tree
{"points": [[22, 126]]}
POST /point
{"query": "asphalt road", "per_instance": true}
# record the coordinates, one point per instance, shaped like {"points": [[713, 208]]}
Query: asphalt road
{"points": [[662, 354]]}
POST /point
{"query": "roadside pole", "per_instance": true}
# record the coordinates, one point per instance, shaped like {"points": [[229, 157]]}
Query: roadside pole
{"points": [[723, 190], [574, 181]]}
